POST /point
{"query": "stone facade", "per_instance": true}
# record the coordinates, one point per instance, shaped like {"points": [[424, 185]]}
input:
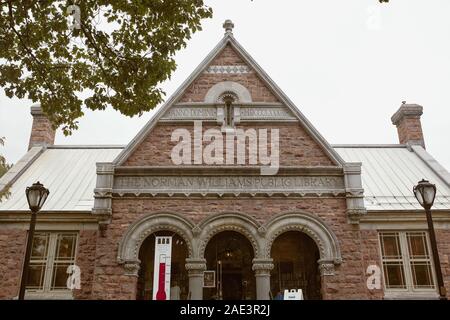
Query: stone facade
{"points": [[12, 249], [109, 254]]}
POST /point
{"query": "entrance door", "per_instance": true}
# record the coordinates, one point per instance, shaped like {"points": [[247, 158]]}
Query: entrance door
{"points": [[230, 255], [295, 257]]}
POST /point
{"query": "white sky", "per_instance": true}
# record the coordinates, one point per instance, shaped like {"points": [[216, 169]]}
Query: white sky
{"points": [[345, 66]]}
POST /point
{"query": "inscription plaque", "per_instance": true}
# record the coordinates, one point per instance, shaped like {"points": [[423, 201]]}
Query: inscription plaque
{"points": [[212, 184]]}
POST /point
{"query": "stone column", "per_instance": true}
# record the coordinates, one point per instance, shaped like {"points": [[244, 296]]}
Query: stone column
{"points": [[195, 268], [262, 268]]}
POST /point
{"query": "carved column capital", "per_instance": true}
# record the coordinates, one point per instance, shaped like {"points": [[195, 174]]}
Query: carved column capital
{"points": [[195, 267], [262, 267], [132, 268], [326, 268]]}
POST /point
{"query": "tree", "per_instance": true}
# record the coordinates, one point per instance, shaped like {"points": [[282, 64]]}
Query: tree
{"points": [[3, 168], [113, 53]]}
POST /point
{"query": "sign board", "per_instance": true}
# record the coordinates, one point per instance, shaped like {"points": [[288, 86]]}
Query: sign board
{"points": [[209, 279], [161, 269], [293, 294]]}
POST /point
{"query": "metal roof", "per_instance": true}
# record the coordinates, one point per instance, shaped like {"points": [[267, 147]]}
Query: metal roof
{"points": [[389, 174], [68, 172]]}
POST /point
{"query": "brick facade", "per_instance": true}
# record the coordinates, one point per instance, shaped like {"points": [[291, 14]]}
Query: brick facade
{"points": [[104, 277]]}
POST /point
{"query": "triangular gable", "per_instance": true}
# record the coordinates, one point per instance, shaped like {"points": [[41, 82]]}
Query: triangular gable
{"points": [[228, 39]]}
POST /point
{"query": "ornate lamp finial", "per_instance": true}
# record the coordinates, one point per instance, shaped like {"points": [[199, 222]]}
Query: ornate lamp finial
{"points": [[228, 25]]}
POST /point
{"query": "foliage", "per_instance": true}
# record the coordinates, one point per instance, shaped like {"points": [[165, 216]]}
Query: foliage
{"points": [[116, 54]]}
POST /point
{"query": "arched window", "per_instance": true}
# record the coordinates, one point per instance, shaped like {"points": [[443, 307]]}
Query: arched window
{"points": [[228, 98]]}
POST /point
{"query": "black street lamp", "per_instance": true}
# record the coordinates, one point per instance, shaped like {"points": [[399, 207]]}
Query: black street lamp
{"points": [[425, 193], [36, 196]]}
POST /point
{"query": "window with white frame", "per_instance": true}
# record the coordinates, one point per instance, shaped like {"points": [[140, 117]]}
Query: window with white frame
{"points": [[407, 264], [52, 253]]}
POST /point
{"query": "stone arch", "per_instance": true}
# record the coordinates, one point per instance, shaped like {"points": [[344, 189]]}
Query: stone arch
{"points": [[314, 227], [138, 231], [243, 224], [218, 89]]}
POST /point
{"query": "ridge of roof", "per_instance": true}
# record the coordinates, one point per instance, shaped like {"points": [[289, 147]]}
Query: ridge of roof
{"points": [[350, 145], [229, 39], [82, 146]]}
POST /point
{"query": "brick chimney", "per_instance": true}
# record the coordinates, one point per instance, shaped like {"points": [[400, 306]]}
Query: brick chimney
{"points": [[42, 132], [407, 120]]}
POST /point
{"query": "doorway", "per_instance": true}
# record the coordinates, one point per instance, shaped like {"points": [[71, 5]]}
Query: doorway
{"points": [[229, 254], [295, 257], [178, 275]]}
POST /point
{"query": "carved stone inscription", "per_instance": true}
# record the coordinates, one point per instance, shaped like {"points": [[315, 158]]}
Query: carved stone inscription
{"points": [[228, 183], [252, 113], [210, 113], [180, 113]]}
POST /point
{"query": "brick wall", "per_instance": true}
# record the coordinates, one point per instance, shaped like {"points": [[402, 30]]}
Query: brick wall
{"points": [[42, 132]]}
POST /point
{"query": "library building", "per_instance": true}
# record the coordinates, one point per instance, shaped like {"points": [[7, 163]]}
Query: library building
{"points": [[228, 192]]}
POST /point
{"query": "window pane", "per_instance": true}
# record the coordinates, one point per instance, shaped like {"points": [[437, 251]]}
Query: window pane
{"points": [[40, 246], [422, 275], [65, 247], [390, 246], [60, 275], [417, 246], [35, 279], [395, 278]]}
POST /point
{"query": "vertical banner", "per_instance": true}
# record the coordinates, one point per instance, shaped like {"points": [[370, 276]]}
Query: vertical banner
{"points": [[161, 269]]}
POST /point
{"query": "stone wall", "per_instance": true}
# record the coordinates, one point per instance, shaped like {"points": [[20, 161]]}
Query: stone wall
{"points": [[197, 90], [347, 283], [87, 241], [297, 148], [12, 251]]}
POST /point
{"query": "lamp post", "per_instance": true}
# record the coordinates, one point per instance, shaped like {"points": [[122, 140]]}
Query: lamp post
{"points": [[425, 193], [36, 196]]}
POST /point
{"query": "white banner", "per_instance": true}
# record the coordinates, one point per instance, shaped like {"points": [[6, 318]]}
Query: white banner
{"points": [[161, 269]]}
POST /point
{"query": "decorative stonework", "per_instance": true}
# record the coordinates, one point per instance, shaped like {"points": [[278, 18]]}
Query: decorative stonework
{"points": [[218, 89], [229, 222], [195, 267], [354, 192], [262, 266], [311, 225], [131, 268], [267, 185], [235, 69], [326, 268], [142, 228], [266, 113], [191, 113]]}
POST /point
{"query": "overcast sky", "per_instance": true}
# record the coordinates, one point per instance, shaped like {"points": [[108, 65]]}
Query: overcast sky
{"points": [[346, 64]]}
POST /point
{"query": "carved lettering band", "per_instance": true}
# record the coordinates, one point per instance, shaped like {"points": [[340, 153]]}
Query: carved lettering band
{"points": [[210, 184]]}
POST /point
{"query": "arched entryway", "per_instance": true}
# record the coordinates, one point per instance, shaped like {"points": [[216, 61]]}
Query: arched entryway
{"points": [[229, 257], [295, 257], [179, 282]]}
